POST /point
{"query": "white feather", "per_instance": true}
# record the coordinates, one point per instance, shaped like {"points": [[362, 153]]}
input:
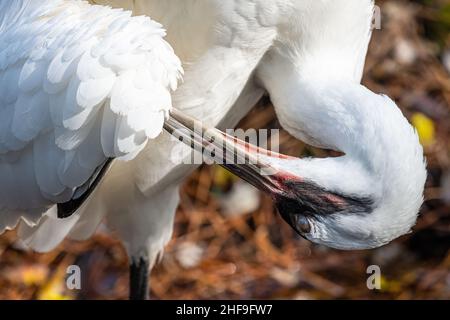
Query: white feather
{"points": [[59, 63], [36, 237]]}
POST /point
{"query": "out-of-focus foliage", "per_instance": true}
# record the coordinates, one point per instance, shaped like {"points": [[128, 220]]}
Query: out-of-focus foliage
{"points": [[437, 20], [425, 128]]}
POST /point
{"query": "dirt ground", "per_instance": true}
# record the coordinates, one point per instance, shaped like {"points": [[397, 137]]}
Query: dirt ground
{"points": [[227, 247]]}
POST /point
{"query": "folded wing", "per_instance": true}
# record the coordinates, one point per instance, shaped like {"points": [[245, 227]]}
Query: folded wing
{"points": [[78, 84]]}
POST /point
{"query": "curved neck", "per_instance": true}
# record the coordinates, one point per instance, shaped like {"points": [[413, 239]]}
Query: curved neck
{"points": [[331, 113], [345, 116]]}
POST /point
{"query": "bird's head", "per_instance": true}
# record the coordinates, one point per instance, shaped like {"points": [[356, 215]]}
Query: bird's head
{"points": [[372, 193], [368, 196], [363, 199], [323, 216]]}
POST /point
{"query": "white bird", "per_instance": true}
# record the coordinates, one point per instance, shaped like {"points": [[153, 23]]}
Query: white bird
{"points": [[307, 55]]}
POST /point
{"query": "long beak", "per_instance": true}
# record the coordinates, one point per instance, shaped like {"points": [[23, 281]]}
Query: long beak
{"points": [[247, 161]]}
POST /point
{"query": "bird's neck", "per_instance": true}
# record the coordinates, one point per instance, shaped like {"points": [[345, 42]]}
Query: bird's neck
{"points": [[343, 115], [383, 158]]}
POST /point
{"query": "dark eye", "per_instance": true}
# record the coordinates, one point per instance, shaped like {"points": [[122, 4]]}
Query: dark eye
{"points": [[303, 224]]}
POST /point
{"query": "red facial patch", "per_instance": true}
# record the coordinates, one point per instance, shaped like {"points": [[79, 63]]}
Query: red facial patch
{"points": [[336, 200]]}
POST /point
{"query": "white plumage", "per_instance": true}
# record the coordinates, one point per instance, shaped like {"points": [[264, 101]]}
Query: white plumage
{"points": [[79, 84]]}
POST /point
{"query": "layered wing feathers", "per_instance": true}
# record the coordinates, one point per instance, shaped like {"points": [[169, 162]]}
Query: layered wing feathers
{"points": [[78, 84]]}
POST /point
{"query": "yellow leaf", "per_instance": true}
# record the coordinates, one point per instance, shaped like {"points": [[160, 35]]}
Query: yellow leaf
{"points": [[53, 295], [54, 288], [425, 128], [223, 177], [34, 275], [388, 285]]}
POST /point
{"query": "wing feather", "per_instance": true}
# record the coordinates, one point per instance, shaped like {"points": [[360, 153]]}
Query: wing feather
{"points": [[6, 133], [32, 75], [90, 152], [108, 130], [59, 73], [9, 88], [78, 84], [36, 237], [46, 154], [71, 173], [94, 91], [31, 115]]}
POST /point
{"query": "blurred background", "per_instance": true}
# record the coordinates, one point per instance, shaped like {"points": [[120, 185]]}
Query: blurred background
{"points": [[229, 242]]}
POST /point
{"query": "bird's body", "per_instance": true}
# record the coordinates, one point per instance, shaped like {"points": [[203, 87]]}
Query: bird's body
{"points": [[308, 56]]}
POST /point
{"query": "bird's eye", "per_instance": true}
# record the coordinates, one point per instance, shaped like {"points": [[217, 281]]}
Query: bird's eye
{"points": [[303, 224]]}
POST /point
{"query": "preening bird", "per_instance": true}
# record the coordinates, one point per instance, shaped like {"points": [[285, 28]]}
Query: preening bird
{"points": [[81, 85]]}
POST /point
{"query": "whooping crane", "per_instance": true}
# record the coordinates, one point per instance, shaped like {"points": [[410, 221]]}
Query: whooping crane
{"points": [[307, 55]]}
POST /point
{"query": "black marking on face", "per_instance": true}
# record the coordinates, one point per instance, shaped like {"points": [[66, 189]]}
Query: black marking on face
{"points": [[308, 199], [315, 199]]}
